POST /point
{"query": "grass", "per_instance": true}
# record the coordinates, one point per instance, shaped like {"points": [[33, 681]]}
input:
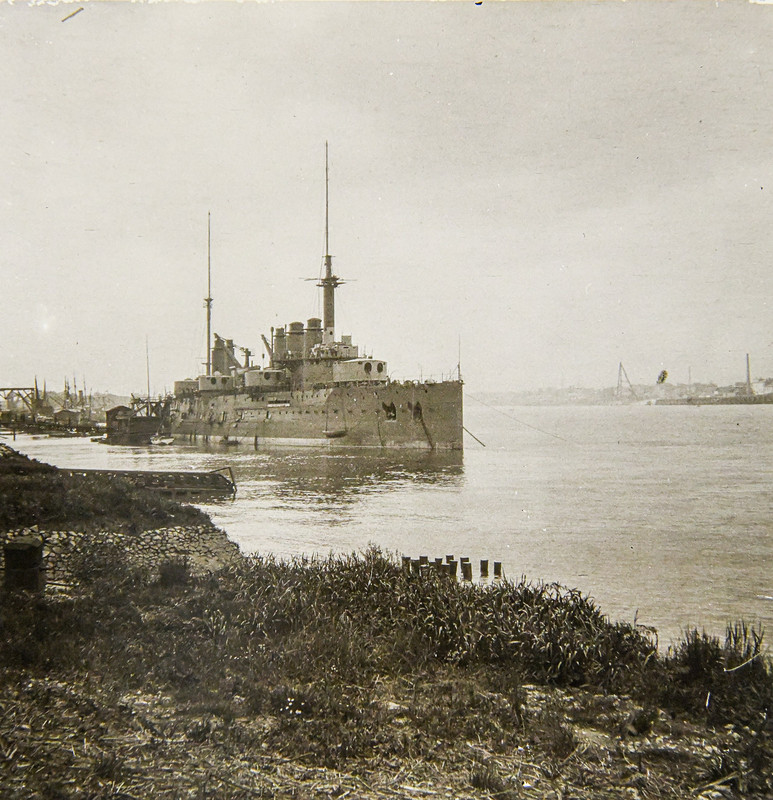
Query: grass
{"points": [[352, 658]]}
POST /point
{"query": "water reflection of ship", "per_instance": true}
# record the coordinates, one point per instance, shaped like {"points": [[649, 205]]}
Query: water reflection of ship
{"points": [[341, 477]]}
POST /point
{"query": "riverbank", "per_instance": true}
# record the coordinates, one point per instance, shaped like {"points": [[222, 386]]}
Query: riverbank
{"points": [[349, 677]]}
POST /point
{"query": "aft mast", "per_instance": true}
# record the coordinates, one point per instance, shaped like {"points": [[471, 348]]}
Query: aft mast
{"points": [[208, 298], [330, 282]]}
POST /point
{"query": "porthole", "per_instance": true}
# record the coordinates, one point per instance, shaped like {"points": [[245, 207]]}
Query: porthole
{"points": [[380, 367], [368, 367]]}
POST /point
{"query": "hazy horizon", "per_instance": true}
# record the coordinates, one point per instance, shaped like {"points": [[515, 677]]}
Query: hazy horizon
{"points": [[540, 190]]}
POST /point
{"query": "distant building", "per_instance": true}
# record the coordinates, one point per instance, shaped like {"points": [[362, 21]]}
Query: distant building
{"points": [[67, 417]]}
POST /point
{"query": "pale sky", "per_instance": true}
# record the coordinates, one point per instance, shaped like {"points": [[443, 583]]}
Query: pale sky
{"points": [[548, 188]]}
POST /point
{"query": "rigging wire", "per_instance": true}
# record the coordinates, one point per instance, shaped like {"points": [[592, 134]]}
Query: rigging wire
{"points": [[519, 421]]}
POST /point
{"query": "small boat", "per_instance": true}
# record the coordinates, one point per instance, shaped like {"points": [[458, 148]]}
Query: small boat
{"points": [[138, 423], [161, 440]]}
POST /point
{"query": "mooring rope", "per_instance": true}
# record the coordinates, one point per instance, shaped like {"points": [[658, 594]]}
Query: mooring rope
{"points": [[515, 419], [473, 436]]}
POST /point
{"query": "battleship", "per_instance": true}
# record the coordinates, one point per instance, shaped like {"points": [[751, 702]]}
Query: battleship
{"points": [[316, 389]]}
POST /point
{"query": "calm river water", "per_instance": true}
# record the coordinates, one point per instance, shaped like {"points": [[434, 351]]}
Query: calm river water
{"points": [[660, 513]]}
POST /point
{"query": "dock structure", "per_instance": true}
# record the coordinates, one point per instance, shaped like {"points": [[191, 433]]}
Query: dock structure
{"points": [[176, 483], [23, 394]]}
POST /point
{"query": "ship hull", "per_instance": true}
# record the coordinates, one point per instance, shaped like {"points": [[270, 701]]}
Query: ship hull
{"points": [[426, 416]]}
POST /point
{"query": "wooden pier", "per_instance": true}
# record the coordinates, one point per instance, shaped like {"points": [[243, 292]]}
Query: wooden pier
{"points": [[175, 483]]}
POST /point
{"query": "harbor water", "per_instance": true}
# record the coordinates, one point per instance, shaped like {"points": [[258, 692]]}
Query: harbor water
{"points": [[661, 514]]}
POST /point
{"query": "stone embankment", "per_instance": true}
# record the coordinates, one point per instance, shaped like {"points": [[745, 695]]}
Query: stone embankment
{"points": [[203, 548]]}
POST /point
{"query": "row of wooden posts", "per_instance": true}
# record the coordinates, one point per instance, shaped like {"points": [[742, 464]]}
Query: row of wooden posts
{"points": [[450, 567]]}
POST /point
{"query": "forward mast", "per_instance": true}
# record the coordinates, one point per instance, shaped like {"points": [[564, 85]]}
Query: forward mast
{"points": [[330, 282]]}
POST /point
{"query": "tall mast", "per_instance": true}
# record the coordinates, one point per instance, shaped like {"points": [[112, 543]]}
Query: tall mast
{"points": [[147, 366], [208, 298], [328, 264], [330, 281]]}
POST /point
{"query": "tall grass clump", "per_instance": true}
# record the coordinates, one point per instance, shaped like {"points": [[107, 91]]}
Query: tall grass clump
{"points": [[729, 682], [401, 622], [552, 634]]}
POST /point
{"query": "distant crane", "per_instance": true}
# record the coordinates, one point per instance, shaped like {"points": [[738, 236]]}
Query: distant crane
{"points": [[621, 373]]}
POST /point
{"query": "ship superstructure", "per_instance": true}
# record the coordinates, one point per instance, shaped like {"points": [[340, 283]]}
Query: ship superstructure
{"points": [[316, 390]]}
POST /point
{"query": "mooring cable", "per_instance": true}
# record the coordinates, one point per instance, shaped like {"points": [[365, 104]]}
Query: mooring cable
{"points": [[515, 419], [473, 436]]}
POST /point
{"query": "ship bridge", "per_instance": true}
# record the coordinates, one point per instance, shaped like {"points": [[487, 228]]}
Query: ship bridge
{"points": [[360, 370]]}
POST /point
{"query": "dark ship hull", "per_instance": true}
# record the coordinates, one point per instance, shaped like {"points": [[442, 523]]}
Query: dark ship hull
{"points": [[394, 415]]}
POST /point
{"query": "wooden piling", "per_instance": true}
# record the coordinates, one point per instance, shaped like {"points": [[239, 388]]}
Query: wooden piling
{"points": [[466, 570], [497, 569], [484, 568]]}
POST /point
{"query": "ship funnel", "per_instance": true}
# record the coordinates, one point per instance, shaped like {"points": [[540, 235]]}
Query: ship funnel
{"points": [[295, 340], [280, 343], [312, 335]]}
